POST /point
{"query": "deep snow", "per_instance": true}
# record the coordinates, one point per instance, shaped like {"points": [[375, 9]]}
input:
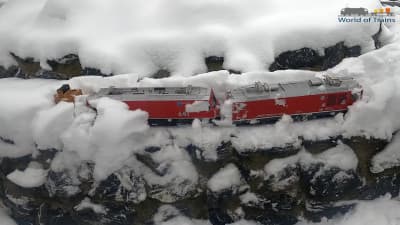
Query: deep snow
{"points": [[144, 36]]}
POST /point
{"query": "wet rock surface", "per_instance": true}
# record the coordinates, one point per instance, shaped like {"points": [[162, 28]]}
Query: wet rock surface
{"points": [[128, 196]]}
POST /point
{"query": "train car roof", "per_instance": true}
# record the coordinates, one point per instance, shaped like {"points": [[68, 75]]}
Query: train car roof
{"points": [[154, 93], [292, 89]]}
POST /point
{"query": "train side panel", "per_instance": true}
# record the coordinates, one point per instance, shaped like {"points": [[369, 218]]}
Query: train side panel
{"points": [[299, 105], [173, 109]]}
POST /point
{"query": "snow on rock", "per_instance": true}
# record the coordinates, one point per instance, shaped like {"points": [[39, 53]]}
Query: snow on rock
{"points": [[282, 172], [32, 176], [388, 158], [175, 177], [227, 178], [382, 211], [169, 215], [176, 34], [87, 204]]}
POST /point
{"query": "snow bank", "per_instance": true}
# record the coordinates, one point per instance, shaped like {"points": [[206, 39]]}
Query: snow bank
{"points": [[110, 136], [145, 36], [388, 158], [50, 123], [20, 102], [382, 211], [29, 178], [226, 178]]}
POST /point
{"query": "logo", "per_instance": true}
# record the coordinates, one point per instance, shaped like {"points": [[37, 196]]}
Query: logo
{"points": [[362, 15]]}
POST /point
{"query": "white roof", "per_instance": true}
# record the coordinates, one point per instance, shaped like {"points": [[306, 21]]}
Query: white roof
{"points": [[154, 93], [299, 88]]}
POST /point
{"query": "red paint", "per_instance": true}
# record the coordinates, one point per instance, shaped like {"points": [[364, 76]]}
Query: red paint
{"points": [[269, 108], [175, 109]]}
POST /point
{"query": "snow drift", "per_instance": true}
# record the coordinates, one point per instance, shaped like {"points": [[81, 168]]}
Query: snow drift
{"points": [[145, 36]]}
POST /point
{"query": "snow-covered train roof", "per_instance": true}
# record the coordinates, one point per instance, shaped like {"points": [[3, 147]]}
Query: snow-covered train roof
{"points": [[154, 93], [327, 85]]}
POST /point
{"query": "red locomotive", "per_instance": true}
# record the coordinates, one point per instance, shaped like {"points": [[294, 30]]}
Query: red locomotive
{"points": [[260, 102], [167, 105], [302, 99]]}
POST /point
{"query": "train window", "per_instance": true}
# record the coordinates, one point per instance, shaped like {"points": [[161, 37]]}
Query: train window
{"points": [[160, 90]]}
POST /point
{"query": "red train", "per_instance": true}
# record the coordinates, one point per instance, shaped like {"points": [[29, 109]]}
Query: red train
{"points": [[260, 102]]}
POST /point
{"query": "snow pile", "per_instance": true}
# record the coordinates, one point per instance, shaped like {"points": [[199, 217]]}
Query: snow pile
{"points": [[50, 123], [110, 136], [176, 175], [145, 36], [87, 204], [21, 100], [226, 178], [388, 158], [32, 176], [382, 211]]}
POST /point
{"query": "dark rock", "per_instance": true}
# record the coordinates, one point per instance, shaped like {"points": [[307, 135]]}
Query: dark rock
{"points": [[68, 65], [269, 217], [383, 184], [214, 63], [8, 165], [69, 182], [330, 184], [8, 72], [315, 211], [92, 71], [57, 216], [162, 73], [61, 69], [28, 66], [310, 59], [376, 37], [302, 58], [122, 186]]}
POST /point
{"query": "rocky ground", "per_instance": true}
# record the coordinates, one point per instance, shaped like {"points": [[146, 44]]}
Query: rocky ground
{"points": [[126, 198]]}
